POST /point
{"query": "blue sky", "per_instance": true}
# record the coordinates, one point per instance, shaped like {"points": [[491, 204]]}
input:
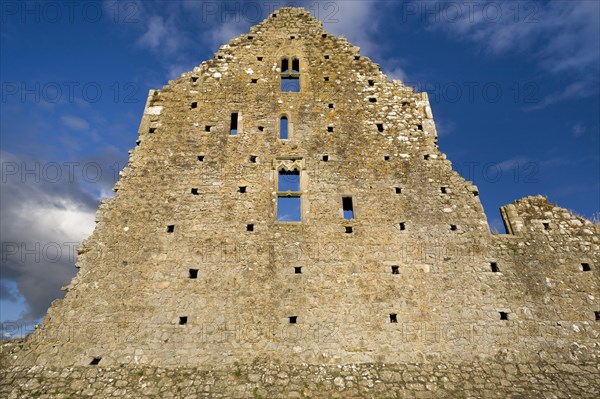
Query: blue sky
{"points": [[514, 88]]}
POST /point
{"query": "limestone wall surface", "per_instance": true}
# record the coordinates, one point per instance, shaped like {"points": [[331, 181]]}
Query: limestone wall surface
{"points": [[189, 265]]}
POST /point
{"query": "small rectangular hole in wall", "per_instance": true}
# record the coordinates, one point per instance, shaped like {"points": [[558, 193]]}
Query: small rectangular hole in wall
{"points": [[233, 125], [326, 78], [357, 57], [371, 82], [254, 80], [293, 319], [95, 361], [207, 128], [324, 35], [372, 100], [546, 226], [261, 128], [201, 158], [194, 78], [494, 267], [393, 318], [152, 130], [444, 190], [402, 226], [249, 227], [380, 127], [349, 229], [347, 208], [503, 316], [386, 158], [298, 270], [259, 58], [398, 190], [597, 315], [194, 191], [193, 273], [585, 267], [292, 37], [330, 129], [253, 158], [220, 57], [453, 227], [170, 228], [475, 193], [426, 157], [182, 320], [250, 37], [419, 127], [242, 189], [326, 56], [325, 158], [137, 142], [194, 105], [395, 270], [405, 103], [330, 105]]}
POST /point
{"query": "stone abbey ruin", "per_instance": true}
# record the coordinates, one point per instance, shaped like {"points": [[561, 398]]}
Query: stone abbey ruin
{"points": [[288, 227]]}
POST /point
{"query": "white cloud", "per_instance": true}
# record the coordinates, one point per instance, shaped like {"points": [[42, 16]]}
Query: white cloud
{"points": [[578, 129], [74, 122]]}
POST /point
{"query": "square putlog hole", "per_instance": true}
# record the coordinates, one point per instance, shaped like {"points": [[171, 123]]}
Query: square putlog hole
{"points": [[494, 267], [597, 315], [503, 315], [195, 191], [183, 320], [293, 319], [201, 158], [242, 189], [95, 361], [349, 229], [395, 270], [585, 267], [398, 190], [170, 228], [193, 274], [298, 270], [249, 227], [393, 318]]}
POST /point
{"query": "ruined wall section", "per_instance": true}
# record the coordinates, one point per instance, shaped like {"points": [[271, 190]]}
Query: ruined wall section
{"points": [[411, 211]]}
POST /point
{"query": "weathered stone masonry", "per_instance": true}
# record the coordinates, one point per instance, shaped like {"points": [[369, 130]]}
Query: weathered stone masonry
{"points": [[392, 265]]}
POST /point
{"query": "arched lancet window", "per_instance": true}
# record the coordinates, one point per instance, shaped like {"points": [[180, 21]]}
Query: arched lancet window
{"points": [[283, 128], [290, 80]]}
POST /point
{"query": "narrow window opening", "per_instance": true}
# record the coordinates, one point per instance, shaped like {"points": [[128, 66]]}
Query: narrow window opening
{"points": [[293, 319], [393, 318], [254, 80], [152, 130], [330, 105], [249, 227], [194, 191], [242, 189], [193, 273], [295, 65], [283, 128], [95, 361], [348, 208], [386, 158], [349, 230], [259, 58], [402, 226], [194, 105], [253, 158], [597, 315], [380, 127], [398, 190], [325, 158], [201, 158], [330, 129], [298, 270], [419, 127], [585, 267], [395, 270], [182, 320], [494, 267], [233, 126], [194, 78], [371, 82], [444, 190], [372, 99], [285, 66], [207, 128], [546, 226], [453, 227], [503, 316], [170, 228]]}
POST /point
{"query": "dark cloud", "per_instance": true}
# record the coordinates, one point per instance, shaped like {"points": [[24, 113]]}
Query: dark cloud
{"points": [[44, 219]]}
